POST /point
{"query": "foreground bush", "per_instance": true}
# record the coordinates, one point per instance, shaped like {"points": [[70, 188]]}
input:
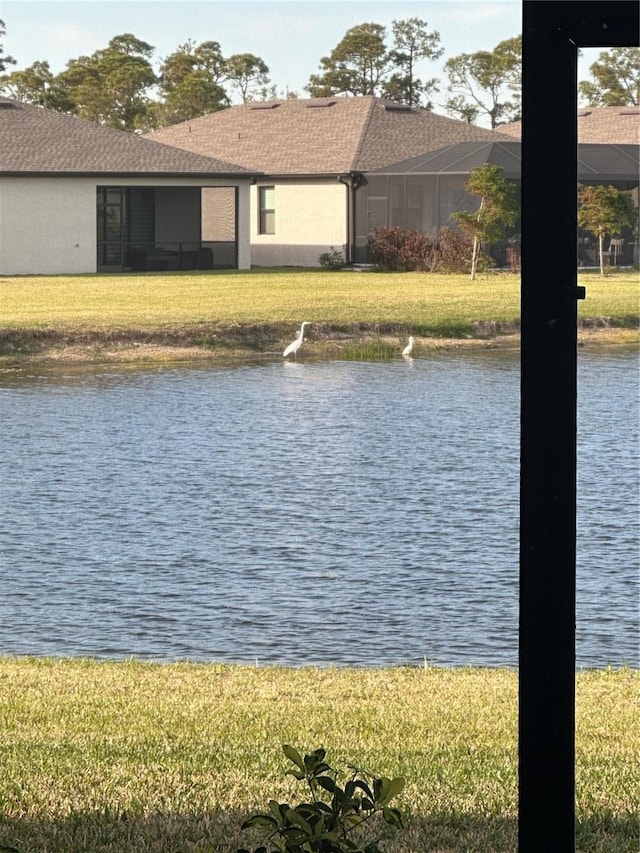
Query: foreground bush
{"points": [[328, 827]]}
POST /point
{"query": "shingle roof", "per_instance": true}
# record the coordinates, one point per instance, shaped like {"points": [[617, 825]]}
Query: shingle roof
{"points": [[595, 161], [615, 125], [319, 135], [34, 141]]}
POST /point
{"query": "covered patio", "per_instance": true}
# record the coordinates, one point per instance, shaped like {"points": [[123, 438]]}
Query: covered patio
{"points": [[166, 228]]}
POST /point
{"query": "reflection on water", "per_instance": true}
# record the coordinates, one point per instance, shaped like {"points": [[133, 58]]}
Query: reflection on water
{"points": [[320, 513]]}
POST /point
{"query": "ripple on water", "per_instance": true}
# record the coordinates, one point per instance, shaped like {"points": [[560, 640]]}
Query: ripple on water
{"points": [[339, 513]]}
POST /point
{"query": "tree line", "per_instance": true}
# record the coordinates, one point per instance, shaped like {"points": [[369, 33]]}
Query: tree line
{"points": [[118, 87]]}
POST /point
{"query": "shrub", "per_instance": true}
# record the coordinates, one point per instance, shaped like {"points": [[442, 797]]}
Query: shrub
{"points": [[331, 260], [455, 251], [327, 827], [397, 250]]}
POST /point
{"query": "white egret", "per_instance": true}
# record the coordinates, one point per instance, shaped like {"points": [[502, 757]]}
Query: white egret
{"points": [[406, 352], [294, 346]]}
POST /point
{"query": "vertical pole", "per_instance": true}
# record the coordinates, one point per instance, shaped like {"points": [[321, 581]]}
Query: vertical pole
{"points": [[548, 436]]}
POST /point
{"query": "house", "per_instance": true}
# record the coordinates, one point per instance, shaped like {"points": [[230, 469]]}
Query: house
{"points": [[76, 197], [598, 126], [314, 154]]}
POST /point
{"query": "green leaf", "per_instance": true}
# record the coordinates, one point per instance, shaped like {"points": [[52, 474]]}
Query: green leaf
{"points": [[278, 810], [360, 783], [327, 783], [293, 755], [385, 789], [396, 786], [314, 759], [393, 817], [258, 820], [380, 790], [295, 818]]}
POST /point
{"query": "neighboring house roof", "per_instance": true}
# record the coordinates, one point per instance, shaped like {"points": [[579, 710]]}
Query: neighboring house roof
{"points": [[595, 162], [37, 141], [319, 136], [616, 125]]}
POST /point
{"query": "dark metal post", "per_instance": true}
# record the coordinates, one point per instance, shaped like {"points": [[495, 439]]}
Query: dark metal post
{"points": [[548, 437], [552, 33]]}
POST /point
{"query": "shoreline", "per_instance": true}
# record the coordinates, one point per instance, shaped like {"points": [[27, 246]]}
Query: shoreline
{"points": [[99, 348]]}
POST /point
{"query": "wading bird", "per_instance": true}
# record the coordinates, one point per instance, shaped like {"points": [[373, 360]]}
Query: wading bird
{"points": [[294, 346], [406, 352]]}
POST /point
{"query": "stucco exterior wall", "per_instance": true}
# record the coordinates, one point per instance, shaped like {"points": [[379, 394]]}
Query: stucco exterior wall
{"points": [[244, 227], [48, 225], [310, 218]]}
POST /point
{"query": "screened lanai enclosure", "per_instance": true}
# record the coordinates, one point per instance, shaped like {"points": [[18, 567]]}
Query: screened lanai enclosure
{"points": [[422, 203], [414, 202], [423, 192], [166, 228]]}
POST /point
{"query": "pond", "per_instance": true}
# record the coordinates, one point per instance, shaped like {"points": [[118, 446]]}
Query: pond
{"points": [[325, 513]]}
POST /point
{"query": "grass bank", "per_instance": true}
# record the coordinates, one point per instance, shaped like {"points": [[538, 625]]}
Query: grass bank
{"points": [[126, 757], [259, 311]]}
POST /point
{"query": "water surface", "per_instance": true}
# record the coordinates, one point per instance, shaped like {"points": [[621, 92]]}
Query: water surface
{"points": [[309, 513]]}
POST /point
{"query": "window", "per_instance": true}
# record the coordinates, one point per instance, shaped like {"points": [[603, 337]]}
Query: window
{"points": [[267, 222]]}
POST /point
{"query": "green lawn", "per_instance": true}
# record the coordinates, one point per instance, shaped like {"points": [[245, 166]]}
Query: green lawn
{"points": [[428, 305], [130, 757]]}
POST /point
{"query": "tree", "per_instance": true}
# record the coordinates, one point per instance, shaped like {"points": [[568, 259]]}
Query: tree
{"points": [[191, 57], [190, 83], [36, 85], [356, 66], [486, 83], [248, 74], [604, 210], [110, 86], [4, 60], [615, 79], [412, 42], [498, 208]]}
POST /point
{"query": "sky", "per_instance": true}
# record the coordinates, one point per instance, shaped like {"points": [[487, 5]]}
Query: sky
{"points": [[291, 37]]}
